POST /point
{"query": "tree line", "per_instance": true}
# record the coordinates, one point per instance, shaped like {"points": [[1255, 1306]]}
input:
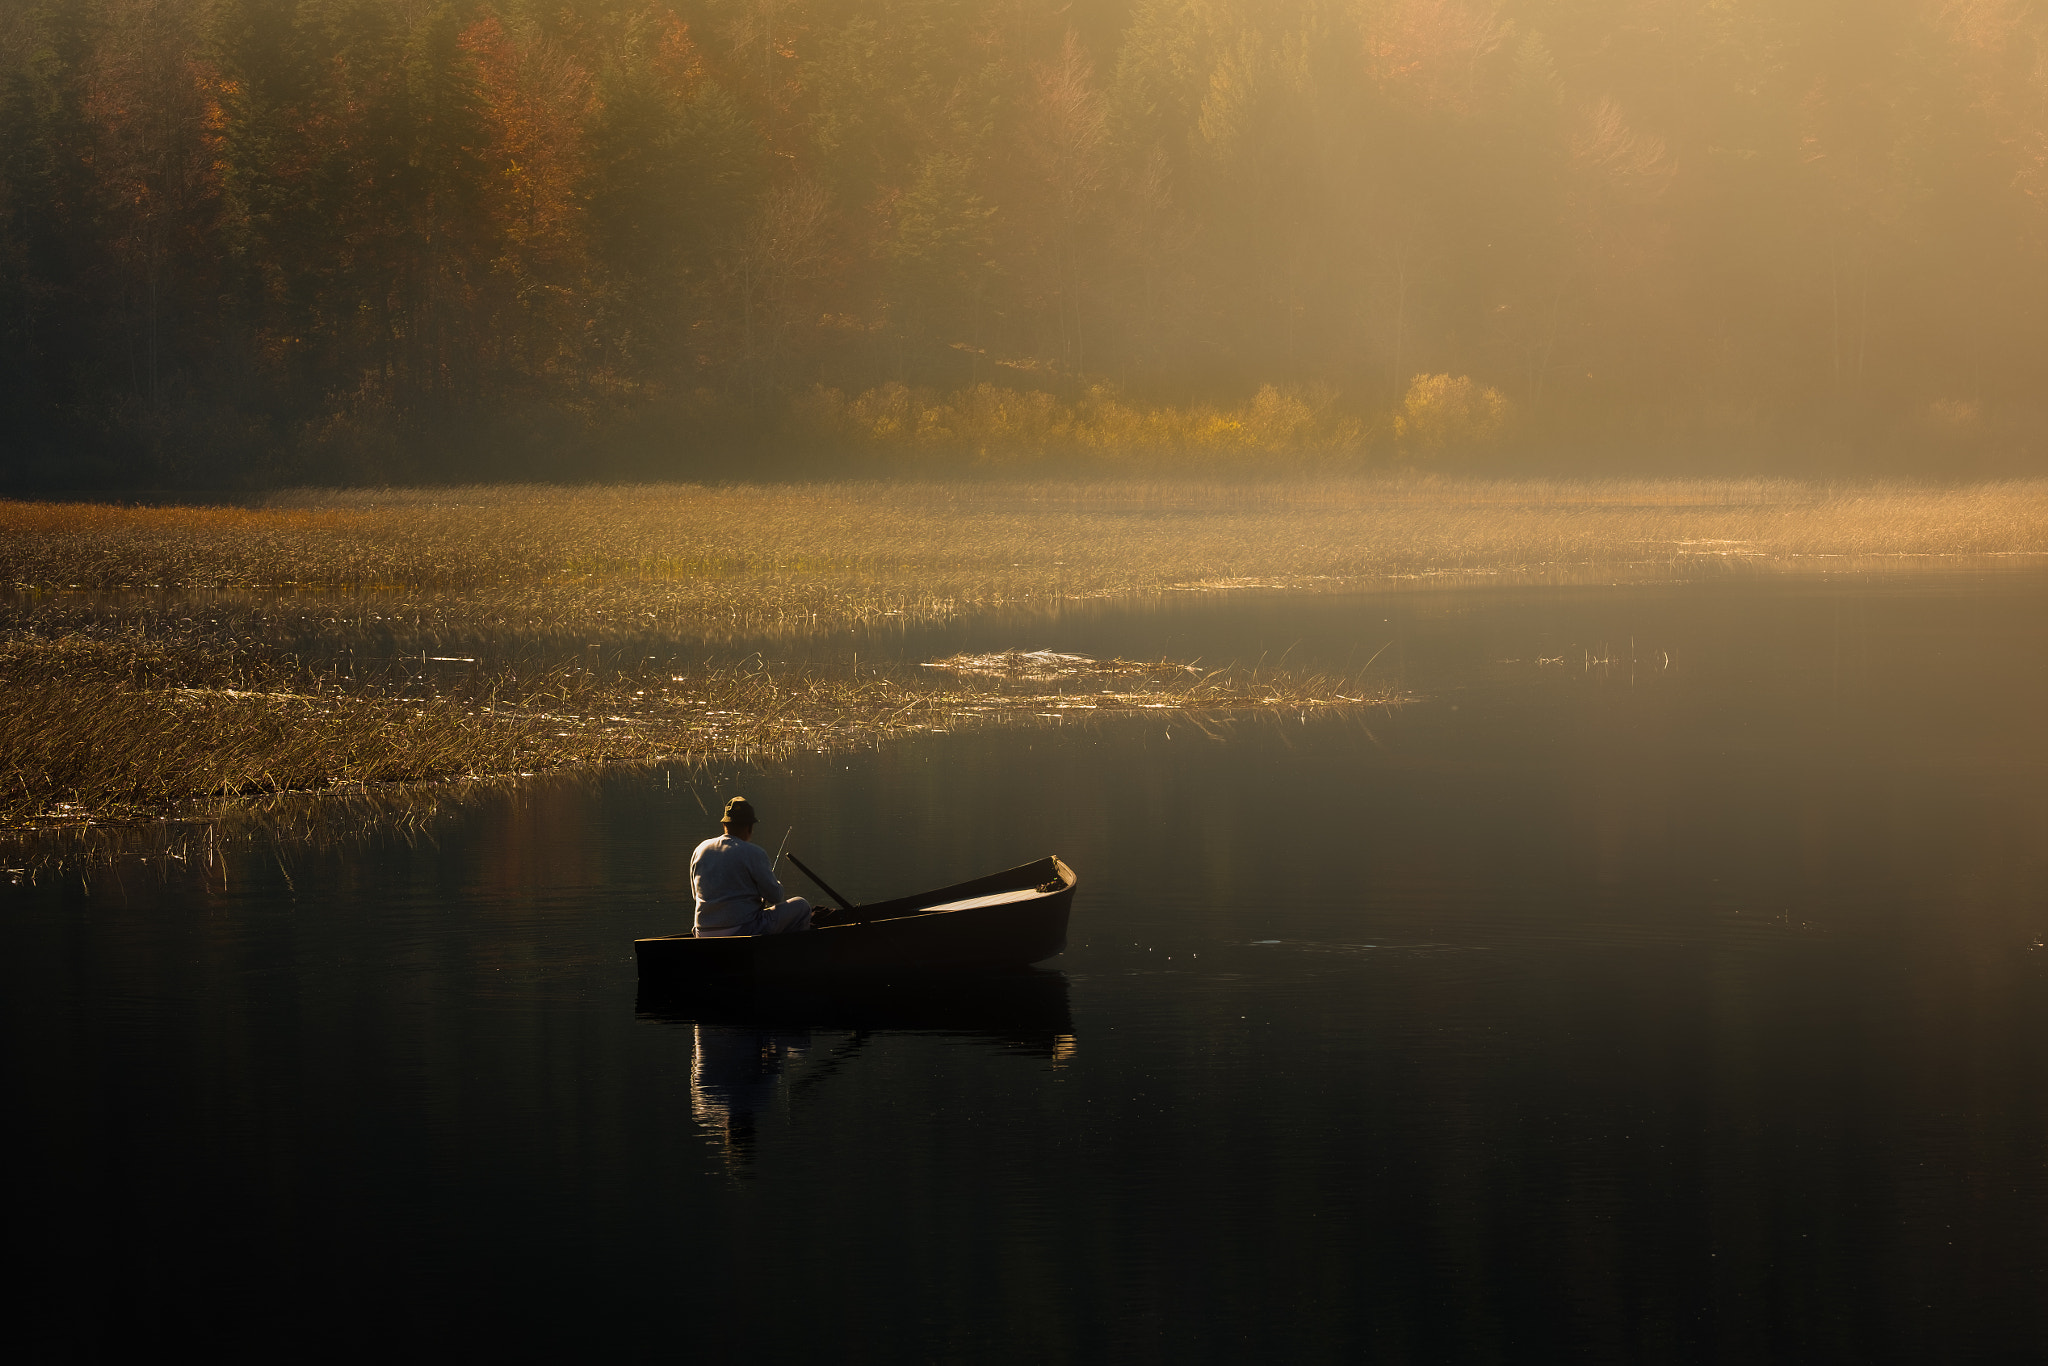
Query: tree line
{"points": [[254, 240]]}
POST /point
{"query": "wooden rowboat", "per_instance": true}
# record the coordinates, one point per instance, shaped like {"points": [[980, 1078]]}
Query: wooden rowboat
{"points": [[1006, 919]]}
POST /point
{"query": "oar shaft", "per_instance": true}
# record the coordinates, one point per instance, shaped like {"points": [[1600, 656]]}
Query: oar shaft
{"points": [[823, 886]]}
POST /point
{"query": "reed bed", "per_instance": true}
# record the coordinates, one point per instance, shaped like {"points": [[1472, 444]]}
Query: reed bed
{"points": [[494, 571], [152, 658], [837, 550], [93, 732]]}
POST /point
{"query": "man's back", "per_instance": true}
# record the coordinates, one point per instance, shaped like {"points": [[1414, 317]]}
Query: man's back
{"points": [[730, 879]]}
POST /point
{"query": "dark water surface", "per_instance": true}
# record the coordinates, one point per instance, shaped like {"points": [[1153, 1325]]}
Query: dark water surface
{"points": [[1691, 1006]]}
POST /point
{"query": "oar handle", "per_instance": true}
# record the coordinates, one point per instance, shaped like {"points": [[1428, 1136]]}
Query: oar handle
{"points": [[823, 886]]}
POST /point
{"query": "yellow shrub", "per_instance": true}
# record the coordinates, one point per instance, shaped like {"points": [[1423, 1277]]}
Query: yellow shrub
{"points": [[1449, 412], [990, 423], [883, 414]]}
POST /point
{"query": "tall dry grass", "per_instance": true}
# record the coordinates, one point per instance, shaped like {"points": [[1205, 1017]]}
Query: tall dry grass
{"points": [[332, 640], [690, 562], [94, 731]]}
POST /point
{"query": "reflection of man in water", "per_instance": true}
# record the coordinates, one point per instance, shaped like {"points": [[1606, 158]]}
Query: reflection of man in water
{"points": [[733, 1077], [734, 883]]}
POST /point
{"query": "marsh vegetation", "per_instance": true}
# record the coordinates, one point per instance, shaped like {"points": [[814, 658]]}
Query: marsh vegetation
{"points": [[159, 656]]}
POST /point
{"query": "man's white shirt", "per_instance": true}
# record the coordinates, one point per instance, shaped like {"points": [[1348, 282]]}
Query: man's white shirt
{"points": [[731, 878]]}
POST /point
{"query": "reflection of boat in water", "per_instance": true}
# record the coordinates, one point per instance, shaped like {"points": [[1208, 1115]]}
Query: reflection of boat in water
{"points": [[1006, 919], [754, 1042], [1024, 1010]]}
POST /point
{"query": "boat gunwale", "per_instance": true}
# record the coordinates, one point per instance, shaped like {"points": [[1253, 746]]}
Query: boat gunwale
{"points": [[922, 905]]}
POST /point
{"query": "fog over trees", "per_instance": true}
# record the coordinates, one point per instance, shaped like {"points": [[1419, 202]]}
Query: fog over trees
{"points": [[259, 240]]}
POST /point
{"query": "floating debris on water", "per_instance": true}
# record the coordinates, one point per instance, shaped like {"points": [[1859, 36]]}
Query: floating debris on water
{"points": [[1047, 664]]}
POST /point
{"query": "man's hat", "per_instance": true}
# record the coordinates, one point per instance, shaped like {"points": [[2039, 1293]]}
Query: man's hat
{"points": [[740, 811]]}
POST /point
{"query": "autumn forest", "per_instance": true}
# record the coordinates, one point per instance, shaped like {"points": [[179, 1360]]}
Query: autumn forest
{"points": [[255, 241]]}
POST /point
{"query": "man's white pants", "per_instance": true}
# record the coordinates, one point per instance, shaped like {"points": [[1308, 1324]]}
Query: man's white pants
{"points": [[781, 918]]}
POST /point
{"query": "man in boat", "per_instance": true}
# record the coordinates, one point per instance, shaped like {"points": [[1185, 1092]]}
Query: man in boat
{"points": [[734, 883]]}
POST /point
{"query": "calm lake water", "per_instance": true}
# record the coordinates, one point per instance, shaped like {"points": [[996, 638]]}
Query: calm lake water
{"points": [[1688, 1006]]}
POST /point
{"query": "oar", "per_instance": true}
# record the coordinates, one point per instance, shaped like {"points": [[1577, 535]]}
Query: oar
{"points": [[844, 904]]}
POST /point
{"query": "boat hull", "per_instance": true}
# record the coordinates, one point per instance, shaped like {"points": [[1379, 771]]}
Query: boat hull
{"points": [[1021, 919]]}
